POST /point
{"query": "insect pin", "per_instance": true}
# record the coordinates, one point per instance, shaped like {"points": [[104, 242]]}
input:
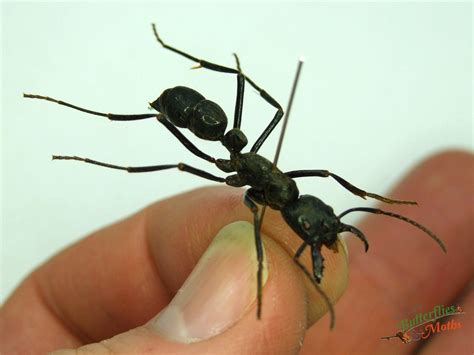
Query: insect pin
{"points": [[309, 217]]}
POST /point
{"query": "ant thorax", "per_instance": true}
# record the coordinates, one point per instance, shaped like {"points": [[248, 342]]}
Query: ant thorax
{"points": [[272, 186]]}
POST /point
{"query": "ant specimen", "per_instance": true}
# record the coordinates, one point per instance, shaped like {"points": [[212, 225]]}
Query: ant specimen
{"points": [[309, 217]]}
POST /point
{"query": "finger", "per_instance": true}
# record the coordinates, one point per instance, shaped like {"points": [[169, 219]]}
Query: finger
{"points": [[121, 276], [403, 268], [335, 278], [221, 284], [218, 207], [458, 338]]}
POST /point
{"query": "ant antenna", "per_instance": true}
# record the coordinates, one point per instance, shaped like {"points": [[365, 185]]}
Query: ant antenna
{"points": [[398, 216]]}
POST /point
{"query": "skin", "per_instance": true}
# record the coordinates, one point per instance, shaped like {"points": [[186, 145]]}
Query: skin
{"points": [[73, 300]]}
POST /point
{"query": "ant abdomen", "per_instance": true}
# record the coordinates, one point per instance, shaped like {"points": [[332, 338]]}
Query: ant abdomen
{"points": [[186, 108], [176, 103]]}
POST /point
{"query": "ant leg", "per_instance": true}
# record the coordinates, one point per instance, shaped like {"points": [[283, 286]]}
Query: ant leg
{"points": [[276, 119], [184, 141], [220, 68], [266, 97], [145, 169], [110, 116], [238, 110], [346, 184], [201, 62], [271, 126], [278, 115], [315, 283], [114, 117], [258, 245]]}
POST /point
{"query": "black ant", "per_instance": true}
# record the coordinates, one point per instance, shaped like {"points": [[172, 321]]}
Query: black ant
{"points": [[309, 217]]}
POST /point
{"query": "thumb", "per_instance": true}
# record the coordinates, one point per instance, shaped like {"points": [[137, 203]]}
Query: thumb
{"points": [[215, 309]]}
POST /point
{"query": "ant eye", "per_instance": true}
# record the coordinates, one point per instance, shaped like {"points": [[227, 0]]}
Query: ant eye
{"points": [[304, 223]]}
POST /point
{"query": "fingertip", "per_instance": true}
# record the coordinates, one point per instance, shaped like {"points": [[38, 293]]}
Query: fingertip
{"points": [[402, 258], [448, 156], [444, 170], [335, 277], [219, 291]]}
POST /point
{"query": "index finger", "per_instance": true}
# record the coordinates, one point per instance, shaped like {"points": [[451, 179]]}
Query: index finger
{"points": [[404, 269]]}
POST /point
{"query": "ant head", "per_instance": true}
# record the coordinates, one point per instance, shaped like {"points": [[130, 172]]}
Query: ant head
{"points": [[234, 140], [312, 220]]}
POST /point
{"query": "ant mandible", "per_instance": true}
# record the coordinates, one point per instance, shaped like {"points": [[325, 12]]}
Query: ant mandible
{"points": [[309, 217]]}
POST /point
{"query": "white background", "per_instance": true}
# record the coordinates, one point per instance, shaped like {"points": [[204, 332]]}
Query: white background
{"points": [[383, 86]]}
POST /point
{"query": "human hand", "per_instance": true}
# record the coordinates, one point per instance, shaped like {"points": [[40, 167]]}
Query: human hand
{"points": [[123, 275]]}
